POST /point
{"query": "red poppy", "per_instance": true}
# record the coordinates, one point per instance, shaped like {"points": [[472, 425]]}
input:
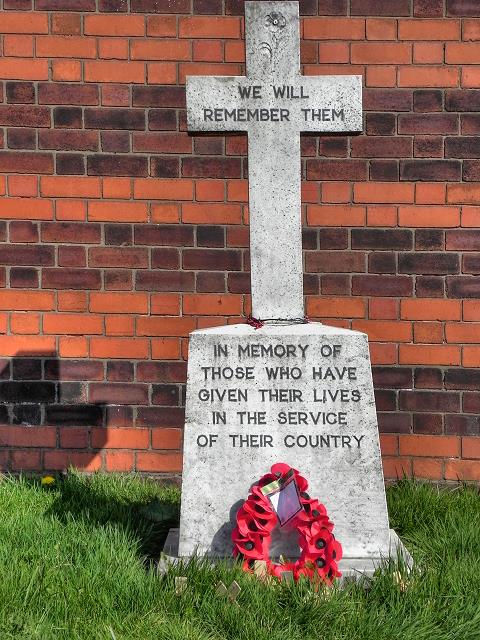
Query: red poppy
{"points": [[251, 547], [256, 519], [277, 569], [247, 523], [316, 544], [302, 483], [280, 469], [261, 513]]}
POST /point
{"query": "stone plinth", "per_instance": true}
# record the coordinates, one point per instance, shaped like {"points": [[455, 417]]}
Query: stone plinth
{"points": [[300, 394]]}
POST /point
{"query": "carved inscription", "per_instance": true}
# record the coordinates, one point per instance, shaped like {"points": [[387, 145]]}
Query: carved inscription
{"points": [[263, 113], [278, 395]]}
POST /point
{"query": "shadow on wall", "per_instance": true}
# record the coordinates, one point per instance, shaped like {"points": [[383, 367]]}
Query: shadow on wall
{"points": [[46, 421]]}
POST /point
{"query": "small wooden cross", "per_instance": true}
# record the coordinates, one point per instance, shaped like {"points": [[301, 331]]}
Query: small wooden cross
{"points": [[231, 593]]}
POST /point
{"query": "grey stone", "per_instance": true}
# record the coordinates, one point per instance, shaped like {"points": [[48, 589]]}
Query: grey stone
{"points": [[351, 568], [297, 393], [326, 380], [274, 103]]}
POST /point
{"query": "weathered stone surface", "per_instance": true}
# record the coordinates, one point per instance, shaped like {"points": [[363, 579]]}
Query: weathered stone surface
{"points": [[297, 393], [274, 103], [331, 436]]}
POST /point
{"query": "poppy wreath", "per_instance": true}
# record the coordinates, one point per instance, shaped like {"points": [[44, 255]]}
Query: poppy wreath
{"points": [[256, 519]]}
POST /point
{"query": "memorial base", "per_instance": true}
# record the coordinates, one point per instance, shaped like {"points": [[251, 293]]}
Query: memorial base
{"points": [[351, 568], [300, 394]]}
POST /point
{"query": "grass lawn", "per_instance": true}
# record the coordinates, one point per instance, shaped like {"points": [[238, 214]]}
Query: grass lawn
{"points": [[74, 564]]}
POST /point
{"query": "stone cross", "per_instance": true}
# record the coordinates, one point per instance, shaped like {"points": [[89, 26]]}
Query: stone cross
{"points": [[274, 103]]}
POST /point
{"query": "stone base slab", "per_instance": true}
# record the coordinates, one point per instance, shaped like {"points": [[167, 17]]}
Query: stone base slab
{"points": [[351, 568]]}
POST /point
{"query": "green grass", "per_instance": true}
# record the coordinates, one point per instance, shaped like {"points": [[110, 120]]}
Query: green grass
{"points": [[76, 563]]}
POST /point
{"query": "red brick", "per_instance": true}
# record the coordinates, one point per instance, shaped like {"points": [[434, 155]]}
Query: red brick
{"points": [[381, 29], [165, 349], [211, 27], [428, 469], [159, 462], [25, 345], [470, 447], [462, 470], [26, 460], [66, 24], [161, 72], [157, 189], [72, 301], [133, 220], [428, 332], [23, 69], [428, 29], [127, 257], [430, 309], [334, 28], [212, 213], [73, 347], [468, 332], [429, 446], [429, 354], [111, 71], [389, 444], [65, 47], [63, 460], [119, 348], [204, 304], [380, 53], [471, 356], [121, 438], [72, 324], [382, 309], [471, 310], [428, 52], [166, 438], [397, 468], [73, 437], [31, 22], [471, 30], [162, 26], [382, 331], [419, 216], [462, 8], [463, 193], [68, 187], [428, 76], [26, 300], [27, 436], [470, 77], [119, 461], [383, 193], [160, 50], [113, 50], [18, 46], [114, 25], [381, 76], [30, 209], [66, 70], [325, 307], [25, 186]]}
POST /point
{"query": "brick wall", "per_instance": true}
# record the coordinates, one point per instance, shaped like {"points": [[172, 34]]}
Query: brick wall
{"points": [[120, 233]]}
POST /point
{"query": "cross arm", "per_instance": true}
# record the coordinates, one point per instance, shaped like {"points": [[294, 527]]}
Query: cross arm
{"points": [[334, 104], [213, 103]]}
